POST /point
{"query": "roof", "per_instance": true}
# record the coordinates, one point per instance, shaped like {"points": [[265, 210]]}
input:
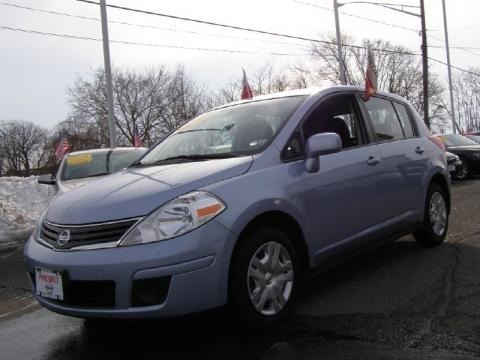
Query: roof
{"points": [[310, 92]]}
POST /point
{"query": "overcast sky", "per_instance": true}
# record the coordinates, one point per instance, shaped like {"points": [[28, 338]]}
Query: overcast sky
{"points": [[36, 70]]}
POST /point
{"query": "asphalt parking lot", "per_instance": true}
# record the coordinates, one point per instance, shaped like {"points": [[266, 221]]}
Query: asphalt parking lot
{"points": [[399, 302]]}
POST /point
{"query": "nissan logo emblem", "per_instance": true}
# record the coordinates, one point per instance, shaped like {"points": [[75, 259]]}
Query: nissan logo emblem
{"points": [[63, 238]]}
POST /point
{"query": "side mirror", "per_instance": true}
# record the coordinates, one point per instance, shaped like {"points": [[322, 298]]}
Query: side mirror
{"points": [[47, 179], [320, 144]]}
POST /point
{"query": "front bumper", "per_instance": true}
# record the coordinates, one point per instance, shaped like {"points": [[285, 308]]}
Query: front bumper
{"points": [[195, 263]]}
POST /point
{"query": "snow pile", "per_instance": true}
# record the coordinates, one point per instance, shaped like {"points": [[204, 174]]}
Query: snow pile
{"points": [[22, 201]]}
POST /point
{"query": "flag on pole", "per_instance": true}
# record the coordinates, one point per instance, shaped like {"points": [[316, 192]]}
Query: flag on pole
{"points": [[137, 142], [246, 91], [62, 147], [370, 76]]}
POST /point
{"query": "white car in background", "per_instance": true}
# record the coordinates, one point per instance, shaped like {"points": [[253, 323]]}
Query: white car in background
{"points": [[80, 167]]}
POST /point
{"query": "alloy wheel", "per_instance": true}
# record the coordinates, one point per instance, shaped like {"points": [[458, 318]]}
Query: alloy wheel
{"points": [[438, 213], [270, 278]]}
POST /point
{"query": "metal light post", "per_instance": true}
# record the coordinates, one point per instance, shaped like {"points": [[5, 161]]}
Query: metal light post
{"points": [[425, 64], [336, 5], [108, 75], [341, 63], [452, 105]]}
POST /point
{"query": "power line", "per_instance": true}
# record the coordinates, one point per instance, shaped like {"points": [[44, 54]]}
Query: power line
{"points": [[146, 26], [69, 36], [235, 27], [354, 16], [454, 67]]}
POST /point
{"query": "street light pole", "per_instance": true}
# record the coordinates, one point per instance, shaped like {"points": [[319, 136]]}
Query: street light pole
{"points": [[341, 63], [336, 5], [452, 105], [425, 64], [108, 74]]}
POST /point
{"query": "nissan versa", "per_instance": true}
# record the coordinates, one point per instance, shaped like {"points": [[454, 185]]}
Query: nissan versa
{"points": [[237, 205]]}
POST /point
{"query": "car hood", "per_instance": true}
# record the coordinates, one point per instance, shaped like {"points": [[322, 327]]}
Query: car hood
{"points": [[68, 185], [464, 148], [137, 191]]}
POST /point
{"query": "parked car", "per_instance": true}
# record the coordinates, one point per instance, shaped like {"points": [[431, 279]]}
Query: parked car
{"points": [[237, 205], [454, 163], [80, 167], [467, 149], [474, 137]]}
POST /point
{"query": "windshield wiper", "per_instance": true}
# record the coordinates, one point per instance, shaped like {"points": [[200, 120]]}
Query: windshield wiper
{"points": [[225, 128], [190, 158], [87, 176]]}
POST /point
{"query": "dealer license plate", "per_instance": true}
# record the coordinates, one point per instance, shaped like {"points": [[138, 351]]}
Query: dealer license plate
{"points": [[49, 284], [451, 167]]}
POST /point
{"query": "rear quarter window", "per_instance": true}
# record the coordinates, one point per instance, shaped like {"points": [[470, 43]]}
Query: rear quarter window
{"points": [[405, 120]]}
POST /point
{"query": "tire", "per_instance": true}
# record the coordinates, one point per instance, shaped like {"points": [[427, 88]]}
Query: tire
{"points": [[262, 290], [464, 171], [435, 220]]}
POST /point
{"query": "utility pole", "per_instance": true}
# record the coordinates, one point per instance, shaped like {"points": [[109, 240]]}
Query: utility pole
{"points": [[425, 64], [341, 64], [108, 75], [452, 105]]}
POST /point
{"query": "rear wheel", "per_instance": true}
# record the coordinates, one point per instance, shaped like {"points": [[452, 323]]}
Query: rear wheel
{"points": [[464, 171], [435, 221], [264, 277]]}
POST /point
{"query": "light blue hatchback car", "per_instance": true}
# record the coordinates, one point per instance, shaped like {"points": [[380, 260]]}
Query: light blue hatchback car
{"points": [[239, 204]]}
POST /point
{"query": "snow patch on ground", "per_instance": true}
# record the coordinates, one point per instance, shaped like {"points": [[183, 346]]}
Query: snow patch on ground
{"points": [[22, 201]]}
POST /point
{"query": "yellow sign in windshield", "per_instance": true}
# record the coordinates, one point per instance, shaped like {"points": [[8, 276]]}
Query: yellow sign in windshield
{"points": [[79, 159]]}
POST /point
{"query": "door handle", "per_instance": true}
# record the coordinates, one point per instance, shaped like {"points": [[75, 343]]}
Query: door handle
{"points": [[372, 161], [419, 150]]}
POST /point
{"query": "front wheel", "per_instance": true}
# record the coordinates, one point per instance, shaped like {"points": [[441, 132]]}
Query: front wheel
{"points": [[264, 278], [464, 171], [435, 221]]}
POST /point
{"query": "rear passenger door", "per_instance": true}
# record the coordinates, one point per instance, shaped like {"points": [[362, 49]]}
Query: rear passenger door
{"points": [[403, 154]]}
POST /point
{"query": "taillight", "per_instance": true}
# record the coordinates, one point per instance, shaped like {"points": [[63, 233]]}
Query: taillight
{"points": [[437, 141]]}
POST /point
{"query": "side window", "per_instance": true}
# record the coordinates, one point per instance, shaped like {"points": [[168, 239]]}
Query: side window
{"points": [[384, 119], [336, 114], [404, 120]]}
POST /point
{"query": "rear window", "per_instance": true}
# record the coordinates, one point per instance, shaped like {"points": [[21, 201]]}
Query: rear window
{"points": [[384, 119]]}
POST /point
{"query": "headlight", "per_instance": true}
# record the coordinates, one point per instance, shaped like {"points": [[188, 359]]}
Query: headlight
{"points": [[476, 155], [179, 216]]}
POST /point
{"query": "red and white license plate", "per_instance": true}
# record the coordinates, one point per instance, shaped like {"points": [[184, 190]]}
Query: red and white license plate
{"points": [[49, 284]]}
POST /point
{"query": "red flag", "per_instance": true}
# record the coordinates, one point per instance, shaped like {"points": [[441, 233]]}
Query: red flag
{"points": [[246, 91], [370, 76], [62, 148], [137, 142]]}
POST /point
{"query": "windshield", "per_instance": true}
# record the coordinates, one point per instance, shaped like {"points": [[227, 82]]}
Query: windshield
{"points": [[79, 166], [475, 138], [237, 130], [457, 140]]}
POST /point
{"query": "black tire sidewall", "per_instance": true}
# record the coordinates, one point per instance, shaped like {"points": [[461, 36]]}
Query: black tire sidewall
{"points": [[239, 295], [427, 236]]}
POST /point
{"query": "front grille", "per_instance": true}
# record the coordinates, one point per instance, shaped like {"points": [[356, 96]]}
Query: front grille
{"points": [[99, 294], [81, 293], [86, 234]]}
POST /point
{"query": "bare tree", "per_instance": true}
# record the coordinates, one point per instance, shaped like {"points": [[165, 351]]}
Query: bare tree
{"points": [[467, 100], [399, 71], [152, 102], [22, 145]]}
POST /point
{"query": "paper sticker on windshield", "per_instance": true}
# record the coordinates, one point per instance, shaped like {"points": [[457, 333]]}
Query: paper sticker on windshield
{"points": [[79, 159]]}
